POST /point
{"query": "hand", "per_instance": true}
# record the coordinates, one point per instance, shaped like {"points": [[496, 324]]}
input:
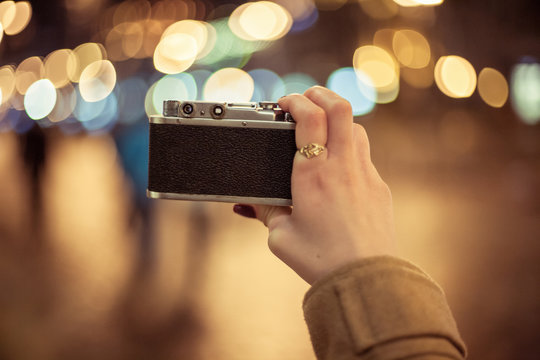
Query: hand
{"points": [[342, 209]]}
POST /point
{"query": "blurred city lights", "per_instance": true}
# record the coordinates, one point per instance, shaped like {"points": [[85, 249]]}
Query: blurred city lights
{"points": [[229, 84], [29, 71], [97, 80], [106, 119], [379, 9], [294, 83], [525, 91], [382, 70], [455, 76], [492, 87], [411, 49], [130, 94], [7, 13], [87, 54], [304, 13], [40, 99], [7, 83], [203, 33], [18, 16], [346, 83], [60, 67], [65, 103], [175, 53], [174, 87], [414, 3], [262, 20], [268, 85]]}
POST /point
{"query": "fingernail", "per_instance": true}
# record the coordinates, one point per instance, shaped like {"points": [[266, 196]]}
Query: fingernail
{"points": [[245, 210]]}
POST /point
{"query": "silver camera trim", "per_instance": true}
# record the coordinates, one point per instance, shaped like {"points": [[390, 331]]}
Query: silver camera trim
{"points": [[258, 124], [220, 198]]}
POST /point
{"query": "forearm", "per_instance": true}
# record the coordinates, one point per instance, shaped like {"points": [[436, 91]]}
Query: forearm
{"points": [[381, 308]]}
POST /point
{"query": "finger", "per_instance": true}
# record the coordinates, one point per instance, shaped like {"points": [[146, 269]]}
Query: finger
{"points": [[339, 116], [268, 215], [310, 119]]}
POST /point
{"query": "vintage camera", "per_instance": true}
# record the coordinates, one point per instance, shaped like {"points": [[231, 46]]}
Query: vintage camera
{"points": [[219, 151]]}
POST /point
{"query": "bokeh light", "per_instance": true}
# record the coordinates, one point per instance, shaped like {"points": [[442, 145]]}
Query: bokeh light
{"points": [[382, 70], [346, 83], [106, 119], [174, 87], [60, 66], [295, 83], [130, 94], [229, 84], [203, 33], [22, 13], [525, 91], [455, 76], [65, 103], [414, 3], [40, 99], [87, 54], [262, 20], [304, 13], [7, 13], [28, 72], [97, 80], [492, 87], [7, 83], [268, 85], [125, 41], [411, 49], [175, 53], [379, 9]]}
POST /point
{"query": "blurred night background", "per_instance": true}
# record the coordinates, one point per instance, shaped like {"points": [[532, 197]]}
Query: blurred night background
{"points": [[449, 92]]}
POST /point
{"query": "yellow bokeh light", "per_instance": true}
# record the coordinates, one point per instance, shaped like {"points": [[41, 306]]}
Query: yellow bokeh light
{"points": [[21, 18], [7, 13], [411, 49], [407, 3], [175, 53], [492, 87], [381, 68], [203, 33], [455, 76], [379, 9], [87, 54], [229, 84], [60, 66], [131, 12], [415, 3], [28, 72], [262, 20], [7, 82], [65, 103], [125, 41], [97, 81]]}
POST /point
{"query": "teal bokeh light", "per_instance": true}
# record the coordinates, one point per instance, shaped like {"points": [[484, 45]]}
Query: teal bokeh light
{"points": [[346, 83], [525, 91]]}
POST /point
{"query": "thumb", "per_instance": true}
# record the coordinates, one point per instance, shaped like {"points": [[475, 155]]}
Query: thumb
{"points": [[265, 213]]}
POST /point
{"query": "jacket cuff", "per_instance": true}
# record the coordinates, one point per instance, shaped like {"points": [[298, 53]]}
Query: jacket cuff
{"points": [[380, 304]]}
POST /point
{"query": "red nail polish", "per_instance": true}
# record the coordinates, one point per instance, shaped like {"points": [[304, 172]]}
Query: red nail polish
{"points": [[245, 210]]}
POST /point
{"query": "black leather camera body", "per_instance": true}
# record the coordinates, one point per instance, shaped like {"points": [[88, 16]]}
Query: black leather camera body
{"points": [[218, 151]]}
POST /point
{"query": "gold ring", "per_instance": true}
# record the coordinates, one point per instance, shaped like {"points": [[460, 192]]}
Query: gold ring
{"points": [[312, 150]]}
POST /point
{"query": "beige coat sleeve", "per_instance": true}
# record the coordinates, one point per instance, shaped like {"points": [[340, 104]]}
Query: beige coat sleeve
{"points": [[381, 308]]}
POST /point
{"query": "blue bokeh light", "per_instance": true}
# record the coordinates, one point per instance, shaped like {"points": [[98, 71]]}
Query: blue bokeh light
{"points": [[345, 83]]}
